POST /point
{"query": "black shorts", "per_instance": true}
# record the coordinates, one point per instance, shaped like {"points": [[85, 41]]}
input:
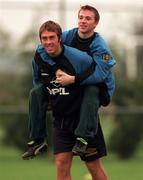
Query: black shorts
{"points": [[64, 141]]}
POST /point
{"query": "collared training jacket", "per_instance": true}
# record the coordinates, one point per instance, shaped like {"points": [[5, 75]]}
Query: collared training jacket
{"points": [[101, 55], [80, 61]]}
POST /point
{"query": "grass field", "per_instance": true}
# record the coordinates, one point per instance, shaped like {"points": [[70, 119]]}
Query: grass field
{"points": [[12, 167]]}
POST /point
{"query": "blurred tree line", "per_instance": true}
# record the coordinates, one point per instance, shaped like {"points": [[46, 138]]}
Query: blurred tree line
{"points": [[16, 84], [128, 131]]}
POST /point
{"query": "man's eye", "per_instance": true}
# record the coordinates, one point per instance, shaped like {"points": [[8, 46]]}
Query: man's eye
{"points": [[44, 38], [89, 18], [52, 37]]}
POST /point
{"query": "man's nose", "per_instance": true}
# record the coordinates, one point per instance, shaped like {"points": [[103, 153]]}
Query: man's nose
{"points": [[83, 20], [48, 41]]}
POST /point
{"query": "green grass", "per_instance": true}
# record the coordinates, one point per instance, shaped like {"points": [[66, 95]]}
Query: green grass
{"points": [[124, 170], [12, 167]]}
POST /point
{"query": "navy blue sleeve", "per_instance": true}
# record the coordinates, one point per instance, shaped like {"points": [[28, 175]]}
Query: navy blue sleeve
{"points": [[35, 73]]}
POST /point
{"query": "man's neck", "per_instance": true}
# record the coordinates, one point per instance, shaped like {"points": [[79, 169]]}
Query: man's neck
{"points": [[85, 35]]}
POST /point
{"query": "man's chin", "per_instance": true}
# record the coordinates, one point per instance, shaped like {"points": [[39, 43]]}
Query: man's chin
{"points": [[83, 31], [50, 52]]}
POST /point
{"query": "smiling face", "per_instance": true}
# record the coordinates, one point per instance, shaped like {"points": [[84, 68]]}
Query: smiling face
{"points": [[50, 42], [86, 21]]}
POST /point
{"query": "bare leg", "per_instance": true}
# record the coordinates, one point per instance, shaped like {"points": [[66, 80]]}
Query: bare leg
{"points": [[63, 165], [96, 170]]}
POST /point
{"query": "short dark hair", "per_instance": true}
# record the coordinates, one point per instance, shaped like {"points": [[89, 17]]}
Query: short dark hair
{"points": [[91, 8], [52, 27]]}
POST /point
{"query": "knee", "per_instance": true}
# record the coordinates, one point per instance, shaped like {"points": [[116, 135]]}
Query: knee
{"points": [[38, 90], [91, 96], [63, 166], [92, 90]]}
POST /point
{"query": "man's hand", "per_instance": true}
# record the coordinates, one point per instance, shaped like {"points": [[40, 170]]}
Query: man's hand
{"points": [[64, 78]]}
